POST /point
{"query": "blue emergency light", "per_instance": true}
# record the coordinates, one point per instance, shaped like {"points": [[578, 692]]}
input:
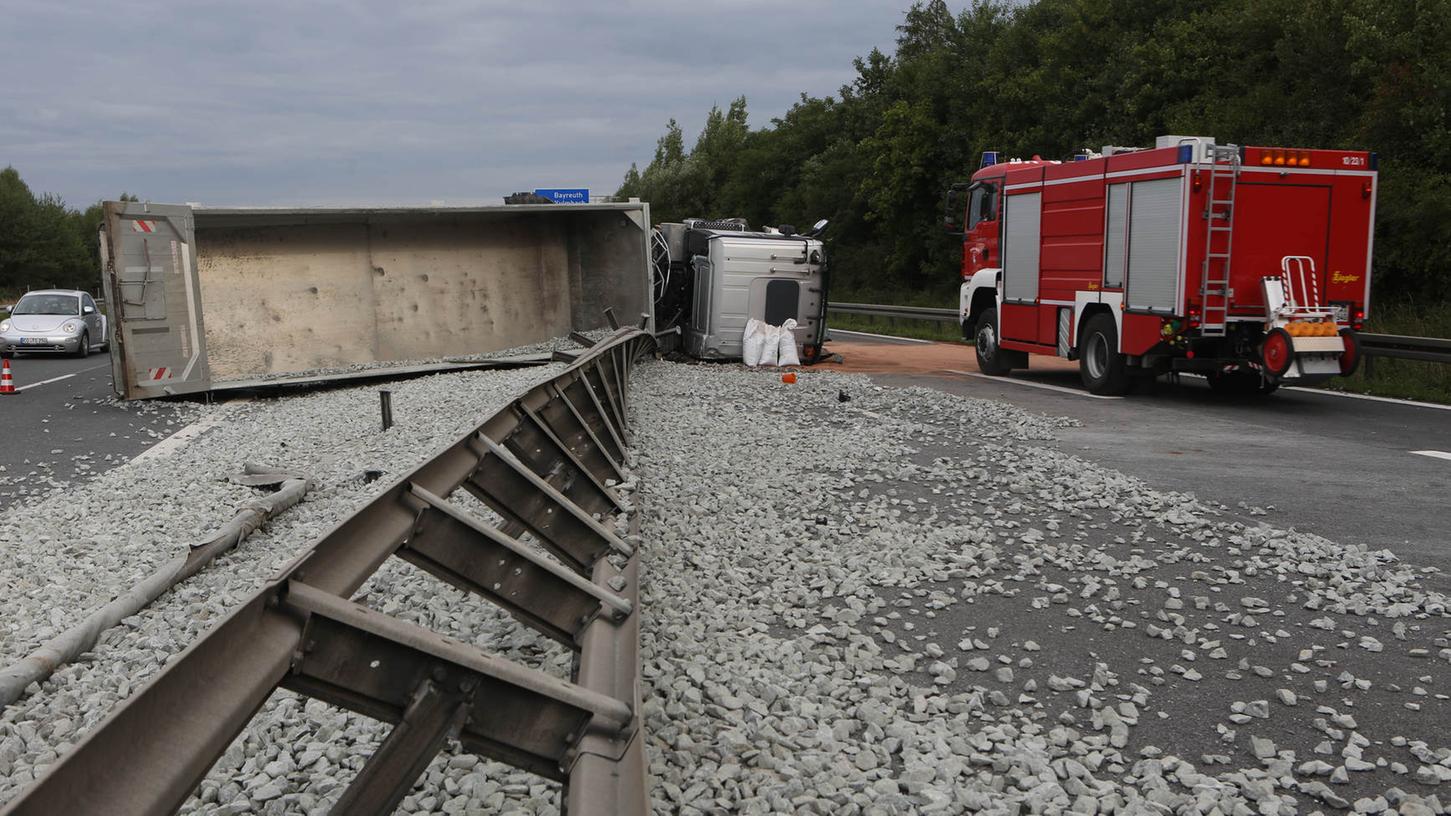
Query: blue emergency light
{"points": [[989, 158]]}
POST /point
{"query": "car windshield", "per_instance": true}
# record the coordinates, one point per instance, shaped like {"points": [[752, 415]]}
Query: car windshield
{"points": [[48, 305]]}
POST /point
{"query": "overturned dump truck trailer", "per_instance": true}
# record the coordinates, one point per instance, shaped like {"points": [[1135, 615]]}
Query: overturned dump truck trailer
{"points": [[208, 298]]}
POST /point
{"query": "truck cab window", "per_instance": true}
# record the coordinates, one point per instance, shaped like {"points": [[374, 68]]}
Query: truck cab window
{"points": [[983, 206], [975, 206]]}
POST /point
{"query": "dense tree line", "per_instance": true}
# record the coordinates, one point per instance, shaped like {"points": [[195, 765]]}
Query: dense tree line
{"points": [[1054, 76], [44, 243]]}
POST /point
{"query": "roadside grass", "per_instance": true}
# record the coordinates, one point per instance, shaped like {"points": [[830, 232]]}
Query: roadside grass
{"points": [[1403, 379]]}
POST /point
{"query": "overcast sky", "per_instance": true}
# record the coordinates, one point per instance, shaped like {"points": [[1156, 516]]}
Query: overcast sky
{"points": [[270, 102]]}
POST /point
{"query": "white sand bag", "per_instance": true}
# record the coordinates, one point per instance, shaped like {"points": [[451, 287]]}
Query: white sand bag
{"points": [[753, 342], [771, 345], [786, 353]]}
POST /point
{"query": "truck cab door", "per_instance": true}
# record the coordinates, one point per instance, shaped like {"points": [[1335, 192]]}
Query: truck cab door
{"points": [[154, 298], [981, 245]]}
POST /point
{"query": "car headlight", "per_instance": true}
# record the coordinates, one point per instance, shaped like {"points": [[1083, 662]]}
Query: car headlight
{"points": [[70, 328], [4, 325]]}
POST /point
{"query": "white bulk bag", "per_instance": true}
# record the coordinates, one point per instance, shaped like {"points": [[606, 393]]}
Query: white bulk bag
{"points": [[786, 345], [771, 346], [753, 342]]}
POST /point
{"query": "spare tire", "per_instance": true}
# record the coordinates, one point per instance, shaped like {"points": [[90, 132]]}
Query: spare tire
{"points": [[1277, 352]]}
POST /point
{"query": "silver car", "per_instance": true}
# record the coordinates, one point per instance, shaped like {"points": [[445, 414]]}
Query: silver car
{"points": [[61, 320]]}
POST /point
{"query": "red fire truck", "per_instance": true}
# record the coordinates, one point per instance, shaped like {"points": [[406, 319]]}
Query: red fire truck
{"points": [[1249, 265]]}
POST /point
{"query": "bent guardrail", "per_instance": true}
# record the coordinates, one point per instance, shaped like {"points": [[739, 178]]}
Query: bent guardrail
{"points": [[546, 465]]}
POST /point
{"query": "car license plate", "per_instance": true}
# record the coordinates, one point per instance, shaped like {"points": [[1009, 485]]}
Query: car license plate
{"points": [[34, 341], [1342, 312]]}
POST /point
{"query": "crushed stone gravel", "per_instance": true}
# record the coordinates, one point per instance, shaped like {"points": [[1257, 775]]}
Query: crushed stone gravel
{"points": [[906, 602], [71, 551], [910, 602]]}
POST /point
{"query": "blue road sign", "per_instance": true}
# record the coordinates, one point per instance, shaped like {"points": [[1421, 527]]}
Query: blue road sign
{"points": [[565, 196]]}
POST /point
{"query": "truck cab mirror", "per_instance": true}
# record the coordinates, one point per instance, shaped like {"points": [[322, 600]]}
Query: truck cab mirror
{"points": [[818, 228]]}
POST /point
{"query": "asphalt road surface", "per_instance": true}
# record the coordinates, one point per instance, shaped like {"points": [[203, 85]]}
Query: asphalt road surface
{"points": [[1334, 465], [65, 425], [1357, 471]]}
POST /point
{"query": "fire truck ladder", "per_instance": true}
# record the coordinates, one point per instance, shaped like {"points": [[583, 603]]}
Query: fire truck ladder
{"points": [[1214, 291]]}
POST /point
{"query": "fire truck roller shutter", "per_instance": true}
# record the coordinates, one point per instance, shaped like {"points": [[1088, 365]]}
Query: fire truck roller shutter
{"points": [[1116, 236], [1022, 236], [1155, 222]]}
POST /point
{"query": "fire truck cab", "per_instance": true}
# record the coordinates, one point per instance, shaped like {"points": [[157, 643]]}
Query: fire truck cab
{"points": [[1249, 265]]}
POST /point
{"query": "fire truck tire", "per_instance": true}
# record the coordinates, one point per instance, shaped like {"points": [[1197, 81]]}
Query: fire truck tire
{"points": [[990, 356], [1277, 352], [1350, 358], [1101, 367]]}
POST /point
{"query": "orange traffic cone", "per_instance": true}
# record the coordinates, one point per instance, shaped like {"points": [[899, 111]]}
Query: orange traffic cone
{"points": [[7, 385]]}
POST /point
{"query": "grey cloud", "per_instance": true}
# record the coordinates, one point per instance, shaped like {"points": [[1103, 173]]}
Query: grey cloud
{"points": [[274, 102]]}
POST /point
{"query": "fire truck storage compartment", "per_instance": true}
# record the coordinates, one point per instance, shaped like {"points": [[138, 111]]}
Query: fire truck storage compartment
{"points": [[1022, 242], [1116, 236], [1272, 221], [1155, 250]]}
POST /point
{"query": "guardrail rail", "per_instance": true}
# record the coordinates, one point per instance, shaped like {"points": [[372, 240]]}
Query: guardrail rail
{"points": [[904, 312], [1428, 349], [544, 465]]}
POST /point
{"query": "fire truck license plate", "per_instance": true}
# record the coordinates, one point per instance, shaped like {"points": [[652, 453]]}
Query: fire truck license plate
{"points": [[1342, 312]]}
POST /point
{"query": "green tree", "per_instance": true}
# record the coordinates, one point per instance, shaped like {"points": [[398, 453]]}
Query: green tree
{"points": [[1054, 76], [44, 243]]}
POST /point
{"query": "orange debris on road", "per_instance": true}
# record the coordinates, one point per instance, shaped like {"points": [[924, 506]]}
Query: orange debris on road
{"points": [[918, 358]]}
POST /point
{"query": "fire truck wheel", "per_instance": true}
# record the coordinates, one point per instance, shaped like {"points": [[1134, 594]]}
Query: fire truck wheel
{"points": [[1277, 351], [989, 354], [1350, 358], [1099, 364]]}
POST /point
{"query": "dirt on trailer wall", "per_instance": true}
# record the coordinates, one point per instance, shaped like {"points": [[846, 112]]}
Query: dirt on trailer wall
{"points": [[282, 298]]}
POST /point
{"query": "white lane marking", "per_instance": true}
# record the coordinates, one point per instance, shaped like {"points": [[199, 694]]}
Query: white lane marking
{"points": [[879, 336], [170, 444], [58, 379], [1045, 386], [46, 382], [1348, 395], [1434, 454]]}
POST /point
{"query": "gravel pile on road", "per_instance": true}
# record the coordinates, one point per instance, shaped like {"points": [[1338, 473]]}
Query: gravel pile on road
{"points": [[861, 600], [70, 552], [855, 600]]}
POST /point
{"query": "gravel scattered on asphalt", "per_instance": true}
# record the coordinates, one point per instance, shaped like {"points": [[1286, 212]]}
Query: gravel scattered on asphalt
{"points": [[70, 552], [909, 603]]}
